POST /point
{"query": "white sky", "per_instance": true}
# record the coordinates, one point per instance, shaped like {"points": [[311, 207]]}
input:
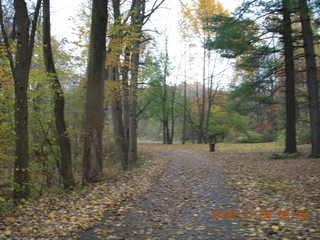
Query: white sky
{"points": [[164, 20]]}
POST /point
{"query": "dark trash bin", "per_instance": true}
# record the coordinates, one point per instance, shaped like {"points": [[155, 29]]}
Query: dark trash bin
{"points": [[212, 145], [212, 141]]}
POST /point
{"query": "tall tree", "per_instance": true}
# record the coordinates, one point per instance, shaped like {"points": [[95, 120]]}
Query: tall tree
{"points": [[25, 30], [164, 102], [115, 49], [138, 8], [312, 83], [159, 94], [184, 125], [241, 36], [291, 143], [195, 18], [172, 111], [59, 103], [92, 158]]}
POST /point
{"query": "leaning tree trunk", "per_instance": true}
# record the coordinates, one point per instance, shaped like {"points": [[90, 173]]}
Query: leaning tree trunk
{"points": [[291, 144], [92, 157], [58, 99], [312, 83]]}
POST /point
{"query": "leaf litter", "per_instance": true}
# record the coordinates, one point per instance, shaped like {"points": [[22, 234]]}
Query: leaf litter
{"points": [[178, 206], [58, 217], [253, 182], [291, 186]]}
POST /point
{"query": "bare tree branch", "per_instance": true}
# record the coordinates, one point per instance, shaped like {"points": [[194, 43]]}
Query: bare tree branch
{"points": [[6, 40], [152, 10], [144, 108], [34, 26]]}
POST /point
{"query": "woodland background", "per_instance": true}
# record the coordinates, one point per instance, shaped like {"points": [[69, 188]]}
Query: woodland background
{"points": [[74, 111]]}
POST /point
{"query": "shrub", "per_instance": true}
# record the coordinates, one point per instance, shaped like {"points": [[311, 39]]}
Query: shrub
{"points": [[256, 139]]}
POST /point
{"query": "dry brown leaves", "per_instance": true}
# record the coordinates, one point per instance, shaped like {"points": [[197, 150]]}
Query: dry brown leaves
{"points": [[262, 183], [62, 216]]}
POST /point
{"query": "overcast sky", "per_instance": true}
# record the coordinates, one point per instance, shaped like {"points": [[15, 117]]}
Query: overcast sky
{"points": [[164, 20], [63, 10]]}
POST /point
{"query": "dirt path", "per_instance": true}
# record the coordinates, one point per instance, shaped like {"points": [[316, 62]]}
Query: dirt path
{"points": [[178, 206]]}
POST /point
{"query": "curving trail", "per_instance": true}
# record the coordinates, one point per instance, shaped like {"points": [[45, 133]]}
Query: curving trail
{"points": [[178, 206]]}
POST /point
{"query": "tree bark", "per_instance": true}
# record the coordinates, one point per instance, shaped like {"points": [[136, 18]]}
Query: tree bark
{"points": [[59, 102], [132, 155], [172, 114], [137, 22], [20, 68], [125, 89], [121, 144], [312, 83], [203, 101], [184, 126], [165, 108], [165, 132], [291, 144], [92, 157], [211, 98]]}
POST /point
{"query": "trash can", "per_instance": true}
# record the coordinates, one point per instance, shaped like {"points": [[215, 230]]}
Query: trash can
{"points": [[212, 147], [212, 141]]}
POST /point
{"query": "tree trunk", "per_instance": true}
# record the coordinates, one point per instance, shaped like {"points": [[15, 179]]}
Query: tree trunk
{"points": [[184, 112], [92, 157], [58, 98], [21, 164], [164, 129], [312, 83], [211, 97], [138, 7], [168, 134], [291, 144], [203, 101], [125, 89], [210, 103], [20, 68], [121, 144], [172, 114], [198, 128], [165, 107], [184, 126], [132, 156]]}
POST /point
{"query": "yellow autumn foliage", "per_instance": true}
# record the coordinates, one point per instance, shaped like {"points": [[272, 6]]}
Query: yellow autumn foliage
{"points": [[194, 15], [6, 109]]}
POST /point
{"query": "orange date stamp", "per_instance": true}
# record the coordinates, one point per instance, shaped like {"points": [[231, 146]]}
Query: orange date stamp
{"points": [[262, 214]]}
